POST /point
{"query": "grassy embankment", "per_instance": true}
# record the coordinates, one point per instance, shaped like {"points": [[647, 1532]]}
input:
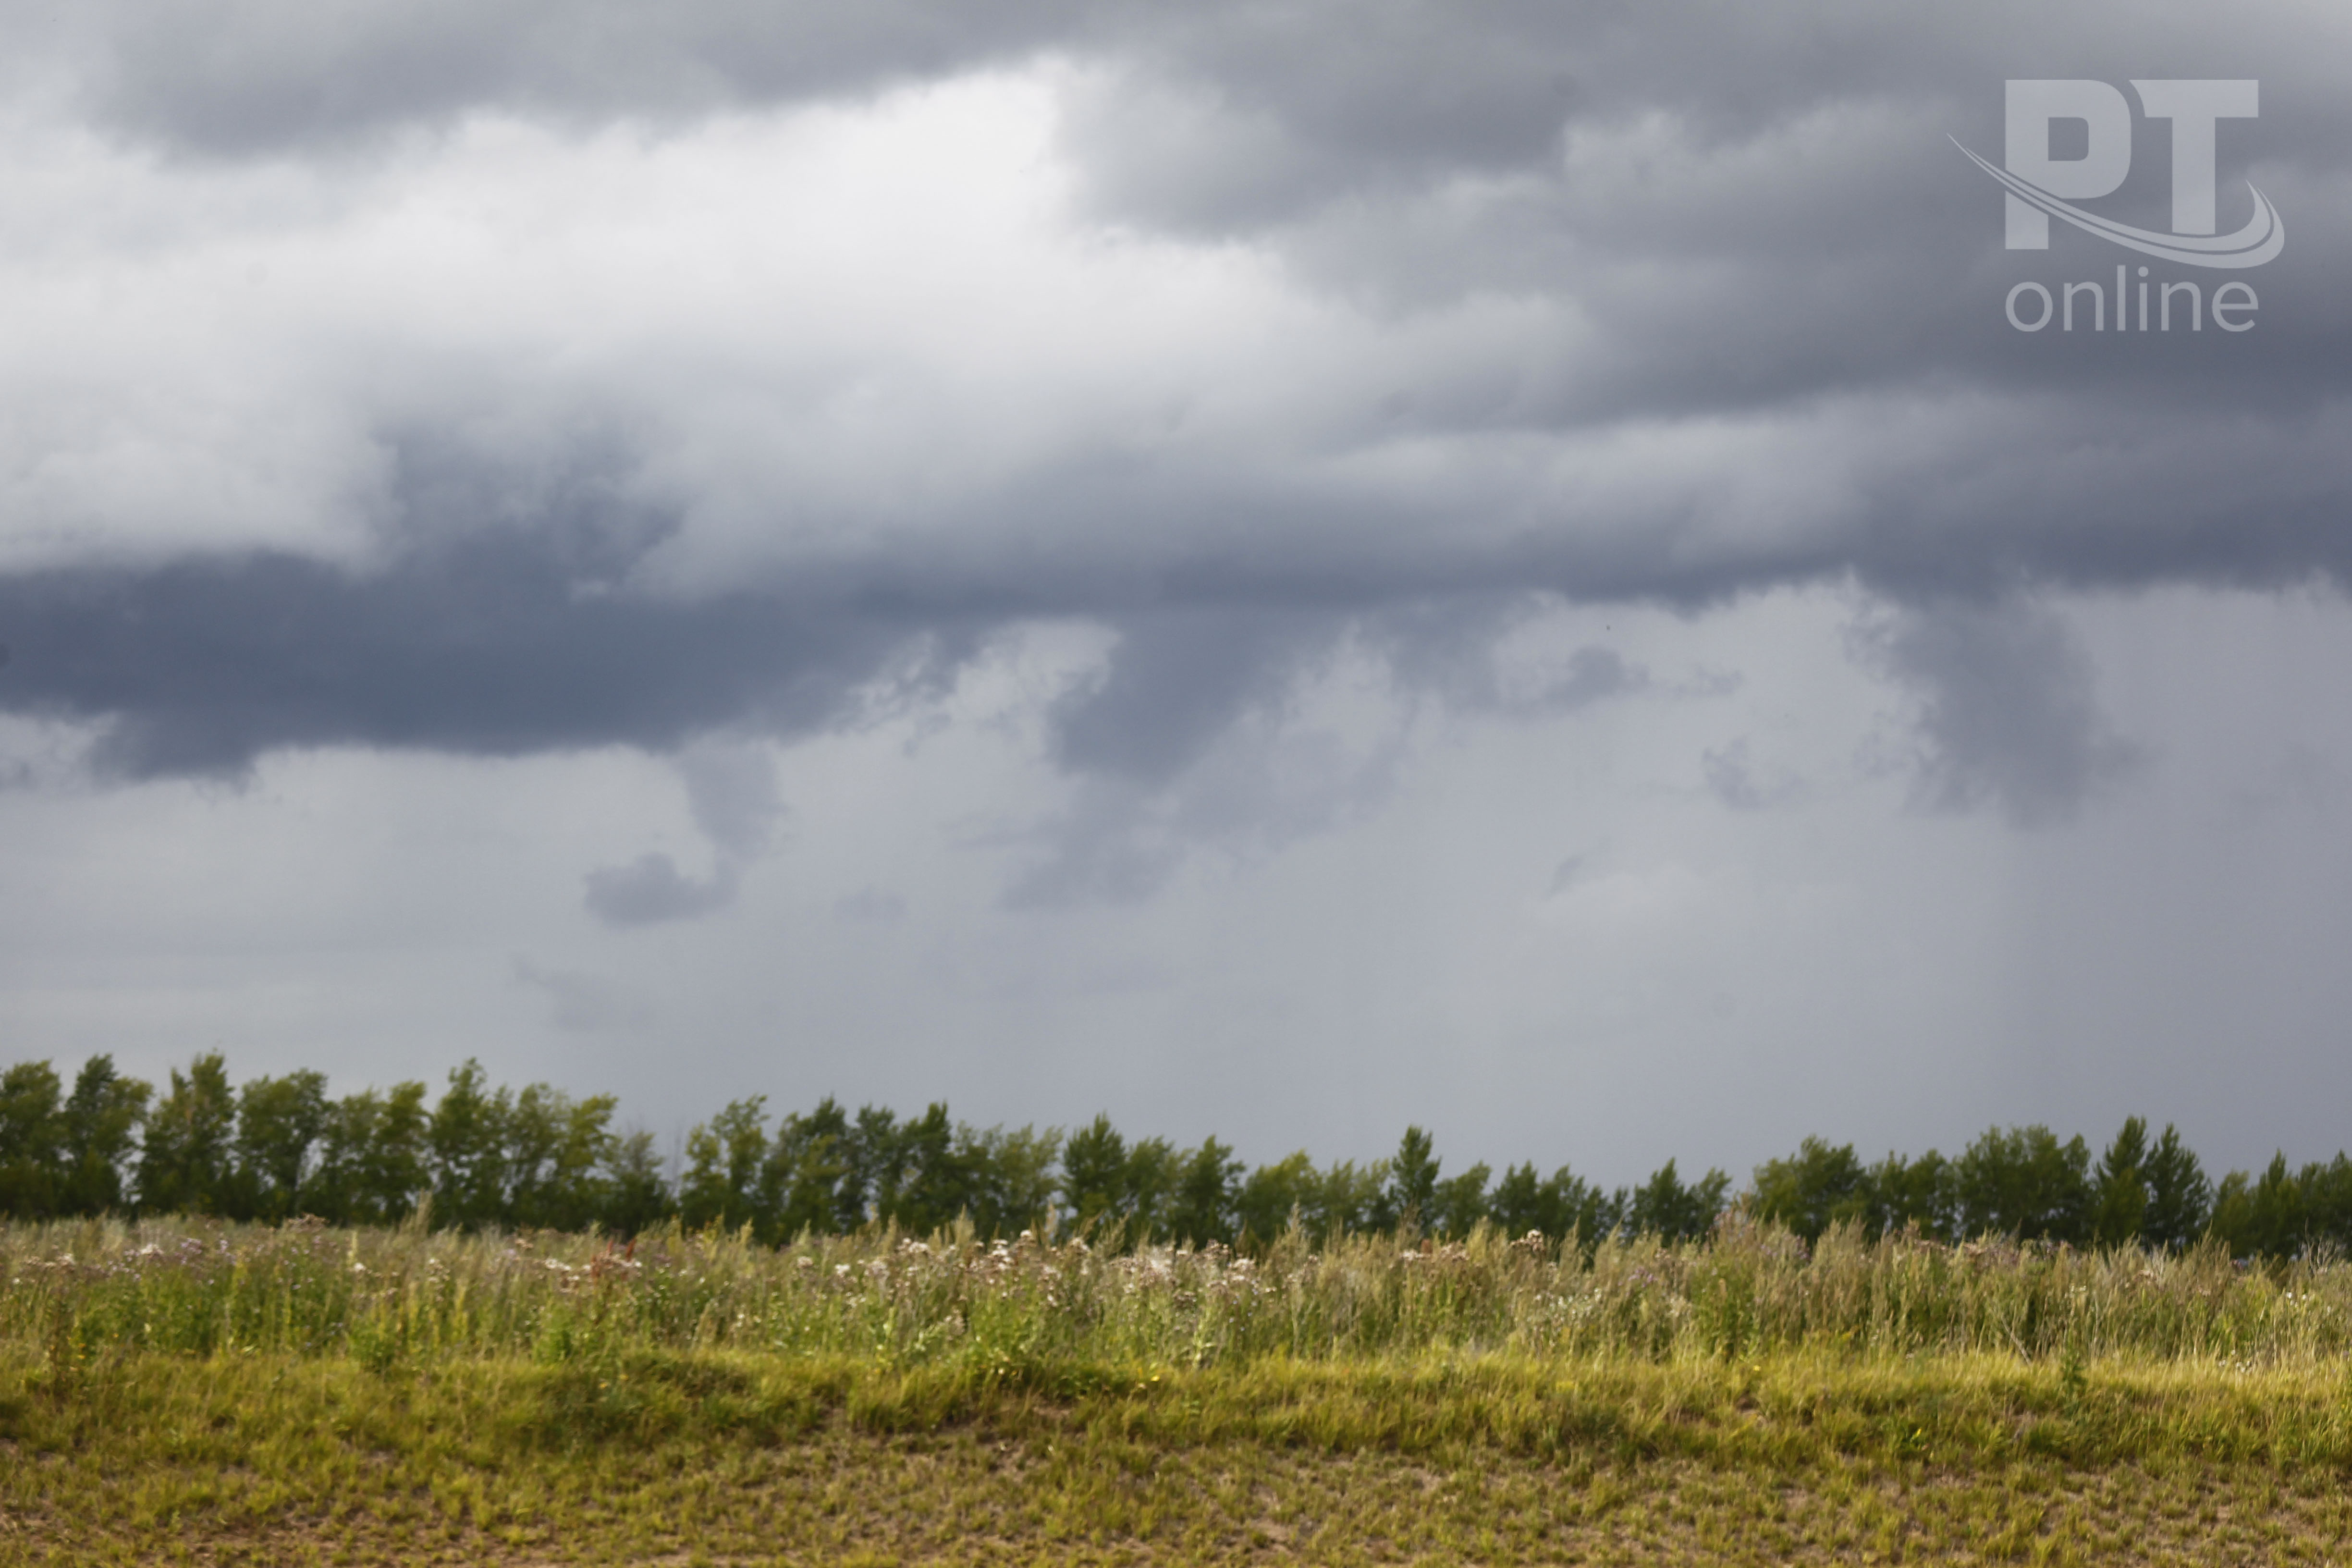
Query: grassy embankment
{"points": [[399, 1396]]}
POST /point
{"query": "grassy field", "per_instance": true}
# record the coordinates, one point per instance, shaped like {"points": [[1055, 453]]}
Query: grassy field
{"points": [[175, 1392]]}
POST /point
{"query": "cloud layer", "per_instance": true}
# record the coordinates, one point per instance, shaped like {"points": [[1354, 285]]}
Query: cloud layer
{"points": [[1352, 547], [487, 379]]}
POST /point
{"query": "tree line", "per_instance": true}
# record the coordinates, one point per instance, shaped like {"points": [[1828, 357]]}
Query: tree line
{"points": [[273, 1148]]}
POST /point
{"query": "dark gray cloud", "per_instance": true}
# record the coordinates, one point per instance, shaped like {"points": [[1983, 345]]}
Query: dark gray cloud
{"points": [[652, 890], [500, 622], [1751, 337], [732, 792], [1174, 683], [1592, 674], [1450, 647], [229, 78], [2007, 712], [488, 645], [510, 378]]}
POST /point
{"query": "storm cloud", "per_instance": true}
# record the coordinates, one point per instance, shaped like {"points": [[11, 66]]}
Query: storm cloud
{"points": [[1141, 449], [1558, 303]]}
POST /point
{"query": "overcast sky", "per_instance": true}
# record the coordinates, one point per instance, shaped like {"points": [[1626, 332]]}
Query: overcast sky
{"points": [[1277, 569]]}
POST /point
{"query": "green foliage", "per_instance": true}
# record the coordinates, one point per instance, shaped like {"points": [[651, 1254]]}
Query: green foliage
{"points": [[927, 1183], [1564, 1205], [1012, 1177], [1665, 1206], [2264, 1217], [1208, 1195], [1094, 1172], [184, 1161], [2019, 1181], [725, 1158], [32, 1141], [804, 1182], [1459, 1205], [2179, 1198], [2119, 1194], [1913, 1194], [1817, 1187], [373, 1157], [280, 1122], [1273, 1195], [1350, 1199], [1152, 1168], [2024, 1183], [489, 1157], [467, 1136], [1412, 1180], [559, 1150], [1344, 1198], [636, 1194], [2328, 1204], [102, 1119]]}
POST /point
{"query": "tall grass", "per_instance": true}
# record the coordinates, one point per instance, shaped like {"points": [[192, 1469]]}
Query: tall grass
{"points": [[75, 1291]]}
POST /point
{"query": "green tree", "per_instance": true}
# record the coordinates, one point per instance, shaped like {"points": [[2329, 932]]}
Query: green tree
{"points": [[1667, 1207], [1274, 1195], [807, 1169], [2179, 1198], [1094, 1173], [937, 1173], [2327, 1202], [1351, 1200], [32, 1141], [725, 1158], [2119, 1187], [101, 1130], [1459, 1203], [184, 1163], [1412, 1181], [2024, 1182], [638, 1198], [1814, 1188], [1148, 1188], [878, 1163], [1562, 1205], [1524, 1203], [1014, 1176], [1902, 1194], [467, 1136], [373, 1152], [280, 1122], [2261, 1219], [558, 1160], [1208, 1193]]}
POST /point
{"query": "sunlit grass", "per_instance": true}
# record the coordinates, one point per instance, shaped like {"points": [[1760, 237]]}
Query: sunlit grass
{"points": [[383, 1296], [392, 1395]]}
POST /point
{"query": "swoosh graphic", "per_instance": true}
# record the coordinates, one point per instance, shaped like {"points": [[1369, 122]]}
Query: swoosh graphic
{"points": [[2263, 237]]}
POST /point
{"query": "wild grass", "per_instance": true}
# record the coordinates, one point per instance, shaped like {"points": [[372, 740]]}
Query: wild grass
{"points": [[395, 1395], [384, 1296]]}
